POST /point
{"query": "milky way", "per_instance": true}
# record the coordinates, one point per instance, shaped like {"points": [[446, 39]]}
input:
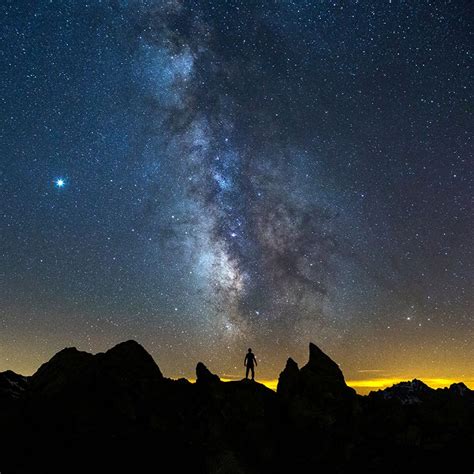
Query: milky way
{"points": [[239, 173], [254, 220]]}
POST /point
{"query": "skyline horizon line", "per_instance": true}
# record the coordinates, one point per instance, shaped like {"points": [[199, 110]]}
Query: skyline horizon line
{"points": [[362, 386]]}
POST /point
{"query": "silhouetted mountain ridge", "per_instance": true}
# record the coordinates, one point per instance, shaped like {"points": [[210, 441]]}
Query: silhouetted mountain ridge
{"points": [[12, 385], [409, 392], [116, 411], [415, 391]]}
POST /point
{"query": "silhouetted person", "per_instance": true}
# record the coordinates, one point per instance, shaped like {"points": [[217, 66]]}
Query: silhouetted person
{"points": [[249, 362]]}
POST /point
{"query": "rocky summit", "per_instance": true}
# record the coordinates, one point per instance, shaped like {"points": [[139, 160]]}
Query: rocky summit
{"points": [[116, 412]]}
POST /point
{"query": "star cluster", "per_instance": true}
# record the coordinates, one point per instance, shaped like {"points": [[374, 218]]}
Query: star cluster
{"points": [[205, 176]]}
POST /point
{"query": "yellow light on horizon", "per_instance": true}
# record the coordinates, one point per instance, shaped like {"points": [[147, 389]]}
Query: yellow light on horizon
{"points": [[363, 387]]}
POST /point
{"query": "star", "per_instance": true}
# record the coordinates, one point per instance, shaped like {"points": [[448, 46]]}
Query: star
{"points": [[263, 208]]}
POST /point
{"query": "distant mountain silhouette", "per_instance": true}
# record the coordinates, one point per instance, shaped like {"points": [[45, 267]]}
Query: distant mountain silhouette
{"points": [[406, 392], [12, 388], [416, 392], [116, 412]]}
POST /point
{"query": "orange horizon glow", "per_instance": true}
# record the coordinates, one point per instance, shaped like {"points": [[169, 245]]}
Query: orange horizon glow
{"points": [[363, 387]]}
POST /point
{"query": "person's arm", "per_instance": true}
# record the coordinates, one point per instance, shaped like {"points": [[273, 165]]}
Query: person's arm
{"points": [[245, 361]]}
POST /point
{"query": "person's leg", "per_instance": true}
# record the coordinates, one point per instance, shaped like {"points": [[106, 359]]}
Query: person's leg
{"points": [[247, 372], [253, 372]]}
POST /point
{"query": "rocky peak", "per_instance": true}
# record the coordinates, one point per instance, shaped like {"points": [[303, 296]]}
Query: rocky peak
{"points": [[12, 385], [53, 375], [126, 363], [288, 379], [320, 378], [408, 393], [460, 389], [130, 357], [204, 375], [322, 365]]}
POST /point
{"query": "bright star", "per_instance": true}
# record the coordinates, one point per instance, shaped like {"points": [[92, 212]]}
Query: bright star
{"points": [[60, 183]]}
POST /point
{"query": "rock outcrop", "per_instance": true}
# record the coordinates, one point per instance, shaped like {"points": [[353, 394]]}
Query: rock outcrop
{"points": [[407, 393], [460, 389], [116, 412], [12, 386], [204, 375], [319, 384]]}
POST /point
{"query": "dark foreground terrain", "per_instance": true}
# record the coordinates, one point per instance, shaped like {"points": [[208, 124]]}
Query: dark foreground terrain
{"points": [[115, 412]]}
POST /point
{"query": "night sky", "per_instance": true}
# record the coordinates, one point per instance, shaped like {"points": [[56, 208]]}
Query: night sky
{"points": [[208, 176]]}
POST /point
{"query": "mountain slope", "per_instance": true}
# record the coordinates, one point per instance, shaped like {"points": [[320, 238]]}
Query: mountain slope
{"points": [[116, 412]]}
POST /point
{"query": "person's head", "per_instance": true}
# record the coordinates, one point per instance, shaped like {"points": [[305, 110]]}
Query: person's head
{"points": [[250, 350]]}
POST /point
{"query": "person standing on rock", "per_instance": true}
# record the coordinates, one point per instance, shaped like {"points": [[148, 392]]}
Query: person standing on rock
{"points": [[249, 362]]}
